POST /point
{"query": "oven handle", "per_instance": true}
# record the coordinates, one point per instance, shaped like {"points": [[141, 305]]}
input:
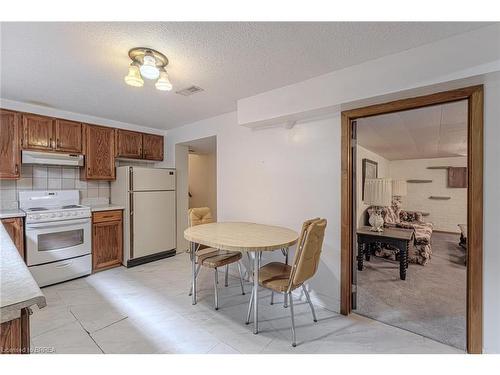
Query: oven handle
{"points": [[58, 223]]}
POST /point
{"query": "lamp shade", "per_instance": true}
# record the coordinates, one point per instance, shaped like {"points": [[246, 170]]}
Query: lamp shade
{"points": [[399, 188], [378, 192]]}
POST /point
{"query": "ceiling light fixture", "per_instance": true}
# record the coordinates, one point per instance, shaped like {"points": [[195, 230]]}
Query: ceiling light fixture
{"points": [[150, 64]]}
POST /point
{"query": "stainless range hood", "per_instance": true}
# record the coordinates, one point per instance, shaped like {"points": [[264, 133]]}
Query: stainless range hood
{"points": [[52, 158]]}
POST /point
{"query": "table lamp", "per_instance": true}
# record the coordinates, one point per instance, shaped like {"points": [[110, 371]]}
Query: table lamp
{"points": [[378, 194], [399, 189]]}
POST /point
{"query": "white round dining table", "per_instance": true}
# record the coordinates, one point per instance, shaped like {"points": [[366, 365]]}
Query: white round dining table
{"points": [[239, 236]]}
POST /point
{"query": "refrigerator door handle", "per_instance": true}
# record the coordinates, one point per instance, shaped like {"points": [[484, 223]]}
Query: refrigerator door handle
{"points": [[131, 223]]}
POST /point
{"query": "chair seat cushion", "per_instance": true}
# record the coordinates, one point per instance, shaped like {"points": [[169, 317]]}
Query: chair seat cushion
{"points": [[275, 276], [217, 258]]}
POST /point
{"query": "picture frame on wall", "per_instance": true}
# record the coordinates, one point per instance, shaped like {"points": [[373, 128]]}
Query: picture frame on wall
{"points": [[369, 170]]}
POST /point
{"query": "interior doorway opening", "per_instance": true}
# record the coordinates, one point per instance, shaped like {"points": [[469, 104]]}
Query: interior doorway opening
{"points": [[416, 283], [474, 255], [196, 167]]}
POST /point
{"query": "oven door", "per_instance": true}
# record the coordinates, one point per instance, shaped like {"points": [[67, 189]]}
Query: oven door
{"points": [[50, 242]]}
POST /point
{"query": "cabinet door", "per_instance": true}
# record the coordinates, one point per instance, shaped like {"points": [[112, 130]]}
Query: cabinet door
{"points": [[14, 227], [99, 153], [107, 245], [10, 151], [38, 132], [128, 144], [153, 147], [68, 136]]}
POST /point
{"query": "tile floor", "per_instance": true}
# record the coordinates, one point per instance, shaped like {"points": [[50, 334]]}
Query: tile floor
{"points": [[146, 309]]}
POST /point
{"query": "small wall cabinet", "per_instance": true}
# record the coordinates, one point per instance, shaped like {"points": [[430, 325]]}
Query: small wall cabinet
{"points": [[135, 145], [15, 228], [153, 147], [42, 133], [99, 153], [10, 147], [107, 239], [128, 144]]}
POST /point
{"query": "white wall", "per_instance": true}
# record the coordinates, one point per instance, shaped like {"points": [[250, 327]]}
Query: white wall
{"points": [[281, 177], [383, 171], [444, 214], [491, 260], [203, 181]]}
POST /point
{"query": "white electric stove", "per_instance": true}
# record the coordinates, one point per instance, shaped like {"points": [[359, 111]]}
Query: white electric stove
{"points": [[58, 237]]}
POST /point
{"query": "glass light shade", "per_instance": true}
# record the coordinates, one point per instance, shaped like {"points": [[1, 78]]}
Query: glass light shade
{"points": [[149, 69], [133, 78], [163, 82], [378, 192]]}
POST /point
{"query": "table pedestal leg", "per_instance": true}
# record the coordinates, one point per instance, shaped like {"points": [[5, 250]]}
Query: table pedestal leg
{"points": [[256, 266]]}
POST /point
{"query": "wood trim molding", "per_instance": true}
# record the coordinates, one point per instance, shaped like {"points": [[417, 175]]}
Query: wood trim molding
{"points": [[474, 95]]}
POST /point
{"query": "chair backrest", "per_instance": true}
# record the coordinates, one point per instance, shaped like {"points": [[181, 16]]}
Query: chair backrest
{"points": [[306, 259], [200, 215]]}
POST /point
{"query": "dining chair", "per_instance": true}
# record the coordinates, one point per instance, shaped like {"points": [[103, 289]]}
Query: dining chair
{"points": [[283, 278], [211, 257]]}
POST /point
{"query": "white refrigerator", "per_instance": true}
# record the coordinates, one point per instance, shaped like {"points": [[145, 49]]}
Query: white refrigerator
{"points": [[148, 195]]}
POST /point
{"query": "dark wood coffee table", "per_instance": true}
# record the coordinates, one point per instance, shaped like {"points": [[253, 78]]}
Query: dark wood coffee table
{"points": [[398, 237]]}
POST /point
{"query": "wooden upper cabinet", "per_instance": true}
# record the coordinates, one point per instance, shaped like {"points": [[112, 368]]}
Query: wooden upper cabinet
{"points": [[10, 150], [152, 147], [68, 135], [37, 132], [99, 153], [128, 144]]}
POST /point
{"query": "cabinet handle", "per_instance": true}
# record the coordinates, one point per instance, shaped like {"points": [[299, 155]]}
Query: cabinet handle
{"points": [[57, 143], [51, 143], [17, 169]]}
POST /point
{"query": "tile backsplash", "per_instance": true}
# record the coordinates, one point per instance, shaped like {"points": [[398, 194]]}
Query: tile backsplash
{"points": [[41, 177]]}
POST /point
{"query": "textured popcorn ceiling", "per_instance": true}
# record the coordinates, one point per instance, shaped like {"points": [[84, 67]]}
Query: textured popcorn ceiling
{"points": [[430, 132], [80, 67]]}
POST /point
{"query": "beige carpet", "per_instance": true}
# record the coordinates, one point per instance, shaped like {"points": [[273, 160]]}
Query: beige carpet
{"points": [[430, 302]]}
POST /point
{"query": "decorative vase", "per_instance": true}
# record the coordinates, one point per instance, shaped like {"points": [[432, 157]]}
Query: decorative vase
{"points": [[376, 220]]}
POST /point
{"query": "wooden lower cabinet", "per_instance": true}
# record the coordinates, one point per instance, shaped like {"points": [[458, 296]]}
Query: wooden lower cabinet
{"points": [[107, 239], [15, 228], [15, 335]]}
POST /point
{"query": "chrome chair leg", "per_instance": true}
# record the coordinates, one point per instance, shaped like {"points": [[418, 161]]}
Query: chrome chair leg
{"points": [[249, 308], [195, 275], [272, 297], [215, 288], [309, 302], [226, 276], [285, 300], [294, 344], [241, 278]]}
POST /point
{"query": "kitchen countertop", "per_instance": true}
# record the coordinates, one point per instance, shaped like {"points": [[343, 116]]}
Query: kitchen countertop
{"points": [[4, 214], [18, 289], [105, 207]]}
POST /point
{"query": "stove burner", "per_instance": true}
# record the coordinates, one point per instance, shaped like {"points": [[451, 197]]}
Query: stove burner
{"points": [[38, 209], [70, 206]]}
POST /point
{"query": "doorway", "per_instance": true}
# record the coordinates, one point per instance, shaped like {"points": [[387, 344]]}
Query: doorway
{"points": [[196, 167], [474, 98]]}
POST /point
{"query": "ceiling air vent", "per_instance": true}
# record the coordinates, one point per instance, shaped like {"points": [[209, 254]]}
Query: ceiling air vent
{"points": [[189, 90]]}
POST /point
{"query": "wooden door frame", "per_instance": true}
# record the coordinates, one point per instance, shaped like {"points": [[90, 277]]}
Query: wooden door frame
{"points": [[474, 96]]}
